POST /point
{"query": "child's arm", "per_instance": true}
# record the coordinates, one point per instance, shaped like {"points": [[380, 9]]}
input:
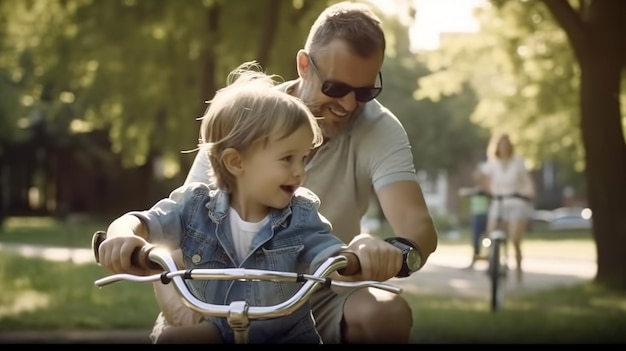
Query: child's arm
{"points": [[163, 224], [124, 235]]}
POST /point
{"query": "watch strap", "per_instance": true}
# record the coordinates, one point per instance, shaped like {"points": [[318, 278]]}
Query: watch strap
{"points": [[405, 271]]}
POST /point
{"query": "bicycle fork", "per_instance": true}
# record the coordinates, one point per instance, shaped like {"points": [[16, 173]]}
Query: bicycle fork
{"points": [[499, 236]]}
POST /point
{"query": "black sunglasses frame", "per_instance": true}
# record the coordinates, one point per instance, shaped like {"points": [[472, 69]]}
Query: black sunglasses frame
{"points": [[338, 89]]}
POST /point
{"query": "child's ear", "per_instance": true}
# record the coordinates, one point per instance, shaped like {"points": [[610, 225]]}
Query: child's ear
{"points": [[232, 160]]}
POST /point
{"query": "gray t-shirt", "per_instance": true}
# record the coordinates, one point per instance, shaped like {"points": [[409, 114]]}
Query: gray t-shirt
{"points": [[373, 152]]}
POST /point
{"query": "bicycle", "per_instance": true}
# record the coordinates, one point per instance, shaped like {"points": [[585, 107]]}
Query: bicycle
{"points": [[239, 314], [497, 254]]}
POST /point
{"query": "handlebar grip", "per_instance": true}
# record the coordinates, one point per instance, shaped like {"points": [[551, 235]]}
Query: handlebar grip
{"points": [[139, 258], [96, 240], [353, 266]]}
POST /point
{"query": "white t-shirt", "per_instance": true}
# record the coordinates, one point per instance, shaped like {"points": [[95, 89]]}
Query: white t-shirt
{"points": [[243, 232], [505, 179]]}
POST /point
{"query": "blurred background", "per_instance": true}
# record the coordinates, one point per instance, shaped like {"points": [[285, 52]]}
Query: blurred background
{"points": [[99, 100]]}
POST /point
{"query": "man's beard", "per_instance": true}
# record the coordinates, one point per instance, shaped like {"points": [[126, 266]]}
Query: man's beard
{"points": [[317, 110]]}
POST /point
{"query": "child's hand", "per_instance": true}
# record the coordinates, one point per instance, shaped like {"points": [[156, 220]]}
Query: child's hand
{"points": [[115, 255]]}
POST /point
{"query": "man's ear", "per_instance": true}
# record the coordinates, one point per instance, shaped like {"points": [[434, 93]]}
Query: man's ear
{"points": [[232, 160], [302, 63]]}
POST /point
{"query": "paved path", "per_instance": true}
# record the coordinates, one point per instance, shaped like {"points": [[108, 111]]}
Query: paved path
{"points": [[444, 274]]}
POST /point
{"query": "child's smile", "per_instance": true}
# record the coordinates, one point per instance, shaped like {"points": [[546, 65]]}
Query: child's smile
{"points": [[289, 189]]}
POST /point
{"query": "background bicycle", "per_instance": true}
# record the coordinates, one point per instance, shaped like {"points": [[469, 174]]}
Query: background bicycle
{"points": [[498, 253]]}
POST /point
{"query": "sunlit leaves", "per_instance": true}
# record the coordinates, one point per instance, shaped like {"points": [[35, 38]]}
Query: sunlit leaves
{"points": [[441, 135], [526, 78], [134, 68]]}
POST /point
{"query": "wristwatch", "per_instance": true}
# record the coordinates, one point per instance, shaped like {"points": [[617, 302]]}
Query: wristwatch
{"points": [[411, 256]]}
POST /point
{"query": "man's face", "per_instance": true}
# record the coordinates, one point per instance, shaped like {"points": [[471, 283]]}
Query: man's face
{"points": [[335, 63]]}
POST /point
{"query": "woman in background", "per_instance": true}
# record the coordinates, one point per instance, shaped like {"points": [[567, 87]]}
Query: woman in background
{"points": [[505, 175]]}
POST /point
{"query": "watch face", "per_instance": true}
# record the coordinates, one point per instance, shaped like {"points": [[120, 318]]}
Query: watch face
{"points": [[413, 260]]}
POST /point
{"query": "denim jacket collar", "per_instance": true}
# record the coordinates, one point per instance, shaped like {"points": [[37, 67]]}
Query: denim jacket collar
{"points": [[219, 205]]}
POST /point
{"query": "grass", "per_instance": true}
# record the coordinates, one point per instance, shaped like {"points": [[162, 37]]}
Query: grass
{"points": [[49, 231], [579, 314], [43, 295]]}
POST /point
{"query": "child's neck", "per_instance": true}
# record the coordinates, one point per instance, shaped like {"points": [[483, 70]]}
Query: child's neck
{"points": [[248, 209]]}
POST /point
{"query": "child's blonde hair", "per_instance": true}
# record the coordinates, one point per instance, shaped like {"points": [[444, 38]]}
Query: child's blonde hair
{"points": [[247, 113]]}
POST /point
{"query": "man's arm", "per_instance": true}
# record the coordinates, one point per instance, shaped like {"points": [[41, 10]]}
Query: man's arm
{"points": [[386, 152], [200, 168], [405, 209]]}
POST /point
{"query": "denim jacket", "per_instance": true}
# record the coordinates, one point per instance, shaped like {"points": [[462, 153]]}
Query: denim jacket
{"points": [[296, 239]]}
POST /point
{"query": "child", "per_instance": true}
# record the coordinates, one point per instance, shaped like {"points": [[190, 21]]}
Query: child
{"points": [[254, 215], [479, 200]]}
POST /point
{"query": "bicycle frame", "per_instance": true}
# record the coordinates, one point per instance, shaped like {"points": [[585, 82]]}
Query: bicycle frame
{"points": [[240, 313], [497, 256], [497, 267]]}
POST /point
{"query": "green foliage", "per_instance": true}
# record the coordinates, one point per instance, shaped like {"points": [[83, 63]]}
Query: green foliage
{"points": [[548, 73], [441, 133], [140, 70], [50, 231], [526, 79], [583, 313], [36, 293]]}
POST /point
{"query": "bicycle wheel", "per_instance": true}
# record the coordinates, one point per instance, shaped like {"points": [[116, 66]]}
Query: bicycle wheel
{"points": [[497, 273]]}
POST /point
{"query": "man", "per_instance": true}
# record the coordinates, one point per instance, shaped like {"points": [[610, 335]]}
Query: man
{"points": [[365, 148]]}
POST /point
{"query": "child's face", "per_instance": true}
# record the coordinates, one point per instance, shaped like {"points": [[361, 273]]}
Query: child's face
{"points": [[274, 172]]}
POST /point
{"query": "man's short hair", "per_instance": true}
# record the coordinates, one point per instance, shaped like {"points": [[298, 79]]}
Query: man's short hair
{"points": [[355, 23]]}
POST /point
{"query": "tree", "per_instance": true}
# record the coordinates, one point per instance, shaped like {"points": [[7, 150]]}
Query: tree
{"points": [[595, 31], [140, 68], [137, 71], [549, 72], [441, 135]]}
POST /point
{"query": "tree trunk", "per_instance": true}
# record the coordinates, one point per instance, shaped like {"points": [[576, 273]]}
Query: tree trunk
{"points": [[209, 57], [268, 31], [605, 149], [207, 80]]}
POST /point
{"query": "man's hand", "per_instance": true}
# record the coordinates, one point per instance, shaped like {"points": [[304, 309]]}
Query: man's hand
{"points": [[379, 260]]}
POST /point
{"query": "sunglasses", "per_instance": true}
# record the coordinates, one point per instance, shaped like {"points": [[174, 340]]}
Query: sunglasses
{"points": [[338, 90]]}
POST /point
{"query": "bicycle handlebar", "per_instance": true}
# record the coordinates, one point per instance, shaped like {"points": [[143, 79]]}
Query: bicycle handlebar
{"points": [[139, 258], [161, 257], [503, 196], [514, 196]]}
